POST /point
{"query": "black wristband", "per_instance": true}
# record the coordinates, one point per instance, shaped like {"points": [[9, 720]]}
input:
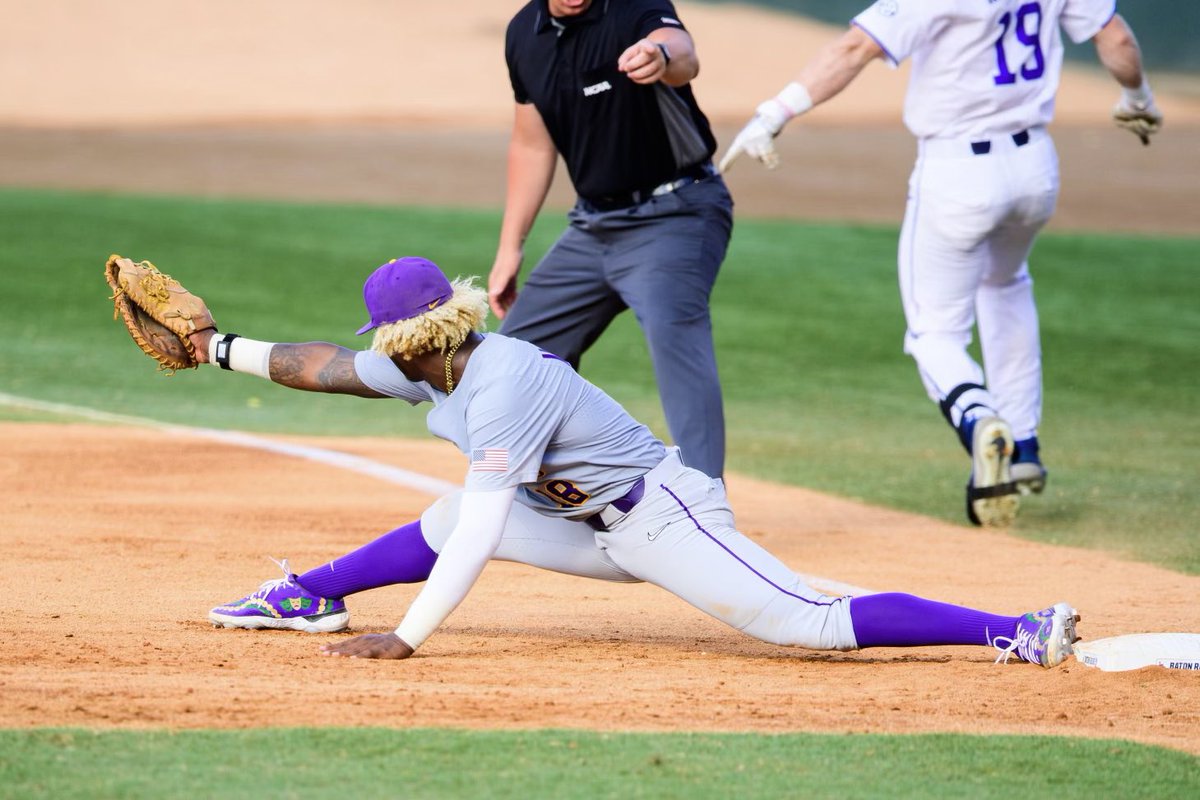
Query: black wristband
{"points": [[222, 352], [666, 53]]}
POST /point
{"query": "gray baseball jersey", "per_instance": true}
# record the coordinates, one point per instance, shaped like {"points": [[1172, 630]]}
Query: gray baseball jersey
{"points": [[575, 450]]}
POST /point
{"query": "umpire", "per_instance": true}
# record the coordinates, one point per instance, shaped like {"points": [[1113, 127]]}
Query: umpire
{"points": [[605, 84]]}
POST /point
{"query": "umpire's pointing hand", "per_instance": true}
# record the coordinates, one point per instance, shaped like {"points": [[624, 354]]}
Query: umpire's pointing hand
{"points": [[643, 62], [370, 645]]}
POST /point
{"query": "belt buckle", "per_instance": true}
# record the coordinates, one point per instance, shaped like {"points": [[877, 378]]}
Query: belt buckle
{"points": [[668, 187]]}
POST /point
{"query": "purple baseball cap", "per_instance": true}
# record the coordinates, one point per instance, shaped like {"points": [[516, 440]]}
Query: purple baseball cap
{"points": [[402, 289]]}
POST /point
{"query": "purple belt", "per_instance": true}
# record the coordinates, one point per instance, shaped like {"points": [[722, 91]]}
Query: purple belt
{"points": [[623, 504]]}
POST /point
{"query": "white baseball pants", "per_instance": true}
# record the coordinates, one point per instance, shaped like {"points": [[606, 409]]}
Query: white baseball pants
{"points": [[969, 226], [681, 537]]}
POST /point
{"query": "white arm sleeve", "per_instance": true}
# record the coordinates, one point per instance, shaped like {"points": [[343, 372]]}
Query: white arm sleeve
{"points": [[481, 520]]}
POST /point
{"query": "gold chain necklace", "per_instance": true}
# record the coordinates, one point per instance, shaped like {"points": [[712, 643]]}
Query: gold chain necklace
{"points": [[450, 368]]}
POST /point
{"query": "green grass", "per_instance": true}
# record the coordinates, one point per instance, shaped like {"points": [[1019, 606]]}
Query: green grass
{"points": [[818, 393], [340, 763], [808, 327]]}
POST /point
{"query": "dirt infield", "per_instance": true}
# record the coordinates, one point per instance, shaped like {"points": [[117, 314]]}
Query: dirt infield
{"points": [[112, 587]]}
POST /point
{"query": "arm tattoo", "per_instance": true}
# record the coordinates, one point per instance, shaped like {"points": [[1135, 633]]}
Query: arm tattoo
{"points": [[317, 367], [339, 375], [287, 366]]}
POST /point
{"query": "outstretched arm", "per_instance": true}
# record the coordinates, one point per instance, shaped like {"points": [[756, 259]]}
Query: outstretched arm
{"points": [[837, 64], [1119, 53], [312, 367], [830, 71], [471, 544]]}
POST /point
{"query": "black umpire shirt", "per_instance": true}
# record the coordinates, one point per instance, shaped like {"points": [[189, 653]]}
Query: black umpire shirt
{"points": [[614, 135]]}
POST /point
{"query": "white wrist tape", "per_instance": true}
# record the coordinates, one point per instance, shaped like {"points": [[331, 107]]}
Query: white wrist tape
{"points": [[233, 352], [1141, 97], [795, 98], [790, 102]]}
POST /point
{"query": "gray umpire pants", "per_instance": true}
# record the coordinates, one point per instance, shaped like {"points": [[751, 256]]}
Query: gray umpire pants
{"points": [[659, 258]]}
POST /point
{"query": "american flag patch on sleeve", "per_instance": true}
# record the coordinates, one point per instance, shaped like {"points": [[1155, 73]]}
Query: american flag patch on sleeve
{"points": [[489, 460]]}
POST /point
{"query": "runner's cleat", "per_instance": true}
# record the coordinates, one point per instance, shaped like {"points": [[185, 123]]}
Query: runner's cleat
{"points": [[992, 498]]}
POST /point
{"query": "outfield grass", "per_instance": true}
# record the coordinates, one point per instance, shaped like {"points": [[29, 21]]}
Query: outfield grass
{"points": [[338, 763], [808, 328]]}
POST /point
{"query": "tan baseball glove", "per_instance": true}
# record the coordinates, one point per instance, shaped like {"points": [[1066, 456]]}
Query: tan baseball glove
{"points": [[157, 311]]}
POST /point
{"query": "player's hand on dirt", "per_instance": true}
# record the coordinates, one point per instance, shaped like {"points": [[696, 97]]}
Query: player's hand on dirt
{"points": [[1143, 119], [369, 645], [502, 282], [643, 62], [200, 341]]}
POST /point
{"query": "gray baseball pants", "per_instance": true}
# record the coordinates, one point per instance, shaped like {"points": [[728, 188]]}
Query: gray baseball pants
{"points": [[659, 258]]}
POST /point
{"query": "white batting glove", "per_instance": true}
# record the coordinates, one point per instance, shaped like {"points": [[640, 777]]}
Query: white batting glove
{"points": [[1136, 112], [757, 139]]}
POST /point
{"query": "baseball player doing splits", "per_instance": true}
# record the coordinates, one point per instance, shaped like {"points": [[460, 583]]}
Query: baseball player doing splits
{"points": [[559, 477], [984, 78]]}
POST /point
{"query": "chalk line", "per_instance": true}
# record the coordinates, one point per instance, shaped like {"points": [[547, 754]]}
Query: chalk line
{"points": [[333, 458]]}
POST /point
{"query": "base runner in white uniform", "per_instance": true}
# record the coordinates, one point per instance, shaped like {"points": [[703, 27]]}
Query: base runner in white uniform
{"points": [[984, 78], [559, 477]]}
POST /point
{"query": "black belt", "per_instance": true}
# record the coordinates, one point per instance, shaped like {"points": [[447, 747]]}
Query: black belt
{"points": [[623, 504], [982, 148], [685, 177]]}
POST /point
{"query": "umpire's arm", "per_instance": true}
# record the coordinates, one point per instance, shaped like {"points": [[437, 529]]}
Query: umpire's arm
{"points": [[666, 54]]}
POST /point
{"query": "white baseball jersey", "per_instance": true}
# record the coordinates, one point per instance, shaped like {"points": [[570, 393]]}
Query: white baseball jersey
{"points": [[525, 418], [980, 67]]}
